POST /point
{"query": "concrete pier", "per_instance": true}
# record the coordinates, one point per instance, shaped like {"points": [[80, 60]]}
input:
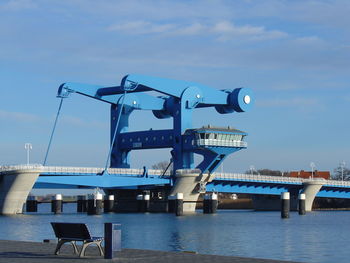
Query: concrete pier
{"points": [[189, 183], [301, 205], [15, 184], [171, 203], [56, 204], [210, 203], [146, 202], [285, 204], [179, 204], [32, 204], [94, 204], [108, 203], [81, 204], [311, 188]]}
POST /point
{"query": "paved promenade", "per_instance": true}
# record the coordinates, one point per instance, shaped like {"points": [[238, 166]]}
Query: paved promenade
{"points": [[35, 252]]}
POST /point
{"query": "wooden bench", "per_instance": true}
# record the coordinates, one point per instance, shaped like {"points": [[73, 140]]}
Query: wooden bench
{"points": [[73, 232]]}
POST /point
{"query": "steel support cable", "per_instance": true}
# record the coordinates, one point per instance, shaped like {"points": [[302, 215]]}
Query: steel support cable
{"points": [[115, 134], [53, 131]]}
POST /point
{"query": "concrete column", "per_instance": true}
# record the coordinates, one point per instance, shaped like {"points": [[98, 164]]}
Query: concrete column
{"points": [[139, 200], [311, 188], [171, 203], [32, 204], [95, 204], [301, 206], [81, 204], [179, 204], [15, 185], [108, 203], [56, 204], [213, 205], [285, 204], [145, 203], [187, 182], [210, 203]]}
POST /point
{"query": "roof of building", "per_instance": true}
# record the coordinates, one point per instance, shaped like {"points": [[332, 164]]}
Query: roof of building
{"points": [[210, 128]]}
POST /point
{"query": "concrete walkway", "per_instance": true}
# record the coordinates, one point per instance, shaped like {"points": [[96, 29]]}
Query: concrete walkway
{"points": [[35, 252]]}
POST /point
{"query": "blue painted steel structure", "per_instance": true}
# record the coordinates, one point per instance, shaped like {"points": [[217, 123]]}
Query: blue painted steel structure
{"points": [[177, 99], [139, 181], [328, 190]]}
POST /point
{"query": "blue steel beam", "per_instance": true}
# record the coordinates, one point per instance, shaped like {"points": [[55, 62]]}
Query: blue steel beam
{"points": [[178, 100], [85, 180], [102, 181]]}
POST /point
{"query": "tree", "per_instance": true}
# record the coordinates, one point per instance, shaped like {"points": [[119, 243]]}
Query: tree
{"points": [[267, 172], [338, 173], [162, 166]]}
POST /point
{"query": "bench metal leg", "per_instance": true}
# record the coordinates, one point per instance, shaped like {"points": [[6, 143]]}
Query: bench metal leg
{"points": [[86, 244], [61, 242]]}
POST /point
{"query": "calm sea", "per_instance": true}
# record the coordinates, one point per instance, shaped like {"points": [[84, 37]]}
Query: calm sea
{"points": [[316, 237]]}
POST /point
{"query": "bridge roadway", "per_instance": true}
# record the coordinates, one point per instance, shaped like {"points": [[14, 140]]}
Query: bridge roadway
{"points": [[90, 177]]}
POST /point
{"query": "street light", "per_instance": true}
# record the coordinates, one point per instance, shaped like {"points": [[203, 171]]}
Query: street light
{"points": [[342, 165], [252, 168], [28, 146], [312, 164]]}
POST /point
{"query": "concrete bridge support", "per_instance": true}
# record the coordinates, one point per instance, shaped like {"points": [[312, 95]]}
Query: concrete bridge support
{"points": [[311, 188], [191, 183], [15, 185]]}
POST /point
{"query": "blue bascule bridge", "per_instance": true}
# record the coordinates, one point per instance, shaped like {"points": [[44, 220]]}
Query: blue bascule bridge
{"points": [[177, 100], [166, 98], [184, 177]]}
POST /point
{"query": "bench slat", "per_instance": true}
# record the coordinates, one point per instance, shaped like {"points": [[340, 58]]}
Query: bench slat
{"points": [[71, 231]]}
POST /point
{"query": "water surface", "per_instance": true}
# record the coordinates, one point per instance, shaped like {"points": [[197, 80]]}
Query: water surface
{"points": [[319, 237]]}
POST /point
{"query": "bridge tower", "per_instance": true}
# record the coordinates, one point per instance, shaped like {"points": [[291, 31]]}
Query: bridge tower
{"points": [[177, 100]]}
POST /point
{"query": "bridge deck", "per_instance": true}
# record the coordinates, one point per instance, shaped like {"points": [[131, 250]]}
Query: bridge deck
{"points": [[223, 182]]}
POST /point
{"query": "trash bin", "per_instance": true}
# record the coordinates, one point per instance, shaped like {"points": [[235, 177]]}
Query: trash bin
{"points": [[113, 238]]}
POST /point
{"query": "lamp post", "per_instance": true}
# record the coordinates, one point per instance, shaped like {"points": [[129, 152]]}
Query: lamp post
{"points": [[28, 146], [252, 168], [342, 165], [312, 164]]}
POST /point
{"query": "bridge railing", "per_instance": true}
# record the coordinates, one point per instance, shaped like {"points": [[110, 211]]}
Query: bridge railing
{"points": [[254, 177], [278, 179], [90, 170], [338, 183], [5, 168], [221, 143], [93, 170]]}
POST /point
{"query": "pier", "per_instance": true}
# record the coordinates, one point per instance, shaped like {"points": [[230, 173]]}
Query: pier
{"points": [[36, 252]]}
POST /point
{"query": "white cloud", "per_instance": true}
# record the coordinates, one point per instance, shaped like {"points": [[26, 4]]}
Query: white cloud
{"points": [[192, 29], [223, 30], [228, 30], [309, 40], [141, 27], [18, 116], [16, 5]]}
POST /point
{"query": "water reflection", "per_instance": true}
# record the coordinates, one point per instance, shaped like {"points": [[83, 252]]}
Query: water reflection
{"points": [[315, 237]]}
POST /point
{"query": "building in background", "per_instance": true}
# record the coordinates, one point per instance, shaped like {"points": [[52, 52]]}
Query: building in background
{"points": [[309, 174]]}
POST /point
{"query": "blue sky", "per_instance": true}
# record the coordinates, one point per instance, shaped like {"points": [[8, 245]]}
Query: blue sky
{"points": [[295, 55]]}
